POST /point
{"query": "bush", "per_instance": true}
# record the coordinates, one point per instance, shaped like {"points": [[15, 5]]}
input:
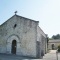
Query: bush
{"points": [[59, 48]]}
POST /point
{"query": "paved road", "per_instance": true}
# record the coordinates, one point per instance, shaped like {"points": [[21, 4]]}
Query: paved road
{"points": [[58, 56], [49, 56], [13, 57], [9, 57]]}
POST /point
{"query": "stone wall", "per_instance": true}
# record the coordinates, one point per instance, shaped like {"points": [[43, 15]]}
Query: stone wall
{"points": [[21, 29], [41, 37], [56, 44]]}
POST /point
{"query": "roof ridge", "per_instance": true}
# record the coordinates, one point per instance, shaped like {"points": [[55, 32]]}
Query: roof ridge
{"points": [[27, 18]]}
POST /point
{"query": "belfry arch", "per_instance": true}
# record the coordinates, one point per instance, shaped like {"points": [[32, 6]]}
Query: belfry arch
{"points": [[13, 44]]}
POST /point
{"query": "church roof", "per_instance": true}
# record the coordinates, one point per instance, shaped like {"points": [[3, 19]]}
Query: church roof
{"points": [[26, 18], [20, 17]]}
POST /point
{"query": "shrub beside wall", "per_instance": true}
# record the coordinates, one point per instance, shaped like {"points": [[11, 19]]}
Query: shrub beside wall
{"points": [[59, 48]]}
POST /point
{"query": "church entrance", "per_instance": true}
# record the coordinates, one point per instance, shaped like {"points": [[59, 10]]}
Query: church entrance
{"points": [[13, 51]]}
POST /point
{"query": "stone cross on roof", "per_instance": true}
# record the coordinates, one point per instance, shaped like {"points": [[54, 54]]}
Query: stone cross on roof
{"points": [[15, 12]]}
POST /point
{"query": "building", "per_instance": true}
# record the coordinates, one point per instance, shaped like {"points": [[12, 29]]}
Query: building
{"points": [[53, 44], [22, 36]]}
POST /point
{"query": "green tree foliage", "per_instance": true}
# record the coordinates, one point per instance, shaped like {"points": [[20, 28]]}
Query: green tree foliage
{"points": [[56, 36], [59, 48]]}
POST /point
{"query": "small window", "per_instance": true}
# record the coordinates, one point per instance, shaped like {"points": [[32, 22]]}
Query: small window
{"points": [[15, 25]]}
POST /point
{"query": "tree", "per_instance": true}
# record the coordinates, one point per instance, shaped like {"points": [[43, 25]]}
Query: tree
{"points": [[59, 48], [56, 36]]}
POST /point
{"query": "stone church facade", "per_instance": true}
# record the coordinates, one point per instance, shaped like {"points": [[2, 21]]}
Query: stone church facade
{"points": [[22, 36]]}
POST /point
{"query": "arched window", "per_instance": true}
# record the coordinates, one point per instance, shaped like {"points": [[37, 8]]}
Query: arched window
{"points": [[15, 26]]}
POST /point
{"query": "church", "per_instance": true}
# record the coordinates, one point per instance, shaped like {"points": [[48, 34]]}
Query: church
{"points": [[22, 36]]}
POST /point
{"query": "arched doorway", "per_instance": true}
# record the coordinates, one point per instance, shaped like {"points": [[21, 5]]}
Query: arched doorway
{"points": [[13, 51], [10, 44], [52, 46]]}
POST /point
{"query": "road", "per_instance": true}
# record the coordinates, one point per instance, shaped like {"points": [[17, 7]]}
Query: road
{"points": [[49, 56], [13, 57]]}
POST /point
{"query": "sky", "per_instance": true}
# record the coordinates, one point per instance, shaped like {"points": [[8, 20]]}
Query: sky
{"points": [[47, 12]]}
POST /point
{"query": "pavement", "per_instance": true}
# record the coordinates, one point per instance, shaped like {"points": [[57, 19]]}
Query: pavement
{"points": [[13, 57], [49, 56]]}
